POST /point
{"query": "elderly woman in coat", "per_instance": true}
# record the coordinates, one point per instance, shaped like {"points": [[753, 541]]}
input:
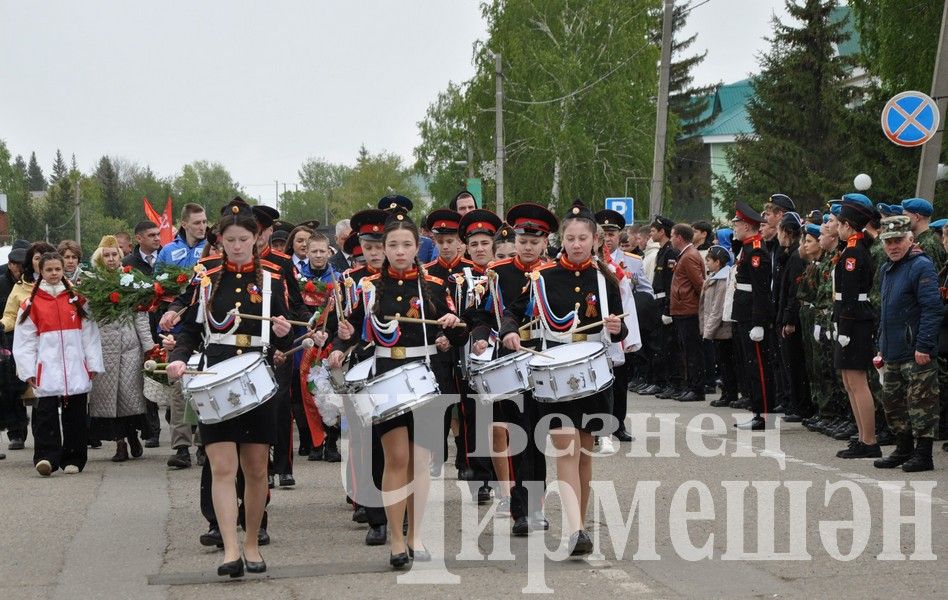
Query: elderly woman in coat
{"points": [[116, 402]]}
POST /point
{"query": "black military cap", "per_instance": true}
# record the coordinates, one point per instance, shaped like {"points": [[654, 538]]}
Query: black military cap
{"points": [[532, 219], [265, 215], [283, 226], [369, 224], [856, 214], [478, 221], [743, 212], [279, 235], [312, 224], [783, 201], [791, 219], [352, 245], [610, 220], [579, 211], [394, 202], [238, 207], [443, 221], [505, 234], [660, 222]]}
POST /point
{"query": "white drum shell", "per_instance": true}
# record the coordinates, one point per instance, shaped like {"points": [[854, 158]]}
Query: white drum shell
{"points": [[501, 378], [238, 385], [391, 394], [575, 371]]}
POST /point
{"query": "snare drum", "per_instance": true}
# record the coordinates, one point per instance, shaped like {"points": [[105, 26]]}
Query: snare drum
{"points": [[237, 385], [501, 378], [574, 371], [391, 394]]}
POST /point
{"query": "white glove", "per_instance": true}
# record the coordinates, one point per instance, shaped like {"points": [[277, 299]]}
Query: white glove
{"points": [[757, 334], [816, 333], [843, 340], [829, 334], [666, 320]]}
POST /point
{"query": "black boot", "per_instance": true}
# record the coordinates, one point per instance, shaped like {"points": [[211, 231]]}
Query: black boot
{"points": [[922, 459], [904, 449], [331, 445]]}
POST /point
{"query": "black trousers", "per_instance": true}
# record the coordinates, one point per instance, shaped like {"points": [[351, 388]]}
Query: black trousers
{"points": [[727, 360], [154, 422], [757, 369], [793, 364], [283, 449], [527, 468], [481, 465], [60, 446], [299, 413], [620, 391], [692, 351], [207, 499]]}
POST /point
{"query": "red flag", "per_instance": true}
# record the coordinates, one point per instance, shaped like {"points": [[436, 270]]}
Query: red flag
{"points": [[163, 221]]}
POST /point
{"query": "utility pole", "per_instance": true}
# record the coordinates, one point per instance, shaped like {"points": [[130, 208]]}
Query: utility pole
{"points": [[928, 163], [276, 193], [499, 133], [661, 116], [78, 228]]}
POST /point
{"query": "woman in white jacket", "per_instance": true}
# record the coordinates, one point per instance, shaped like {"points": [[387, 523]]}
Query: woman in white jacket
{"points": [[57, 351]]}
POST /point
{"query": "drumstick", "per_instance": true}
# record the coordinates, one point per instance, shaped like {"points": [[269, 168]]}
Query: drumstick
{"points": [[597, 323], [528, 325], [537, 352], [152, 367], [306, 345], [414, 320], [260, 318]]}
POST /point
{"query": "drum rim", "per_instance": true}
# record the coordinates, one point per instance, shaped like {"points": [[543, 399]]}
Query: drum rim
{"points": [[502, 361], [575, 396], [235, 375], [549, 366], [408, 407], [238, 412]]}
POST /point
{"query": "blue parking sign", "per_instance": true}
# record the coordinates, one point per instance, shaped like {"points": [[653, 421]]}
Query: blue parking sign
{"points": [[623, 206]]}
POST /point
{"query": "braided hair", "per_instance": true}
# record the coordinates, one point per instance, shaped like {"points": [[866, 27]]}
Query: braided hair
{"points": [[74, 298]]}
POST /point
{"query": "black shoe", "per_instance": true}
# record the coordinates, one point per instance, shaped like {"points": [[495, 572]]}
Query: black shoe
{"points": [[399, 561], [580, 544], [256, 567], [720, 402], [263, 538], [756, 424], [859, 450], [286, 480], [331, 453], [135, 446], [121, 451], [376, 535], [667, 393], [809, 422], [538, 521], [792, 418], [18, 445], [690, 397], [650, 390], [181, 459], [845, 432], [316, 454], [623, 436], [904, 450], [2, 455], [465, 474], [94, 444], [922, 458], [739, 403], [152, 442], [484, 495], [212, 538], [304, 450], [885, 437], [234, 568], [359, 515], [779, 409], [420, 555], [520, 527]]}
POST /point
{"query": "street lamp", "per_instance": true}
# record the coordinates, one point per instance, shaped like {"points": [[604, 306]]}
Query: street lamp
{"points": [[862, 182]]}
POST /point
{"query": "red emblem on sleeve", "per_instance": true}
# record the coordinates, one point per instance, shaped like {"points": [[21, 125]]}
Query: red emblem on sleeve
{"points": [[755, 261], [850, 264]]}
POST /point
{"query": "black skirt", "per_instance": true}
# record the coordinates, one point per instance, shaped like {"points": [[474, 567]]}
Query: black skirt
{"points": [[591, 413], [858, 353]]}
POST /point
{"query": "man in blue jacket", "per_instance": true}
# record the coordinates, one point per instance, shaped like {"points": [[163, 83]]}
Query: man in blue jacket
{"points": [[908, 344], [186, 248]]}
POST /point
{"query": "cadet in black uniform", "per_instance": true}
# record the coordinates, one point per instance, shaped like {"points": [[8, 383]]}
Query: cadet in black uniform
{"points": [[853, 318], [667, 367], [237, 281], [532, 225], [572, 279], [753, 312], [402, 289]]}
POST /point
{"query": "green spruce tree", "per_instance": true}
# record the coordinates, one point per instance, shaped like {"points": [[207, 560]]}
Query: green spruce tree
{"points": [[37, 181], [797, 114]]}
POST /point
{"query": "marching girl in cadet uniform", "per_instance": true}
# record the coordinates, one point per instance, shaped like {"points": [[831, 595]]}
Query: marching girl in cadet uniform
{"points": [[240, 280], [443, 225], [507, 280], [366, 461], [477, 229], [573, 279], [401, 288], [853, 317]]}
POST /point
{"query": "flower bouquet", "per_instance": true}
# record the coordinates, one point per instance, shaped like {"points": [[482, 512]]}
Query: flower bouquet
{"points": [[115, 295], [172, 281]]}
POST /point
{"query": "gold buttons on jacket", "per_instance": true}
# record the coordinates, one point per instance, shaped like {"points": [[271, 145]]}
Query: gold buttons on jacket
{"points": [[239, 351], [238, 275], [576, 273], [400, 282], [236, 304], [237, 290], [576, 289], [398, 299]]}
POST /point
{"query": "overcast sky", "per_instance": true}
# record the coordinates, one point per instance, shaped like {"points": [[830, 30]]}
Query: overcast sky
{"points": [[261, 86]]}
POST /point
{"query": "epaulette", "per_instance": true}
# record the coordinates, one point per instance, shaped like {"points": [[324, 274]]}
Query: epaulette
{"points": [[353, 270], [208, 258], [269, 265], [467, 262], [431, 264], [213, 270], [756, 244], [633, 255], [546, 266], [371, 277], [497, 263], [434, 280], [279, 254], [852, 243]]}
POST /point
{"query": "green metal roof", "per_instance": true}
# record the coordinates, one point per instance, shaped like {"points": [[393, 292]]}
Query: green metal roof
{"points": [[851, 46], [729, 105]]}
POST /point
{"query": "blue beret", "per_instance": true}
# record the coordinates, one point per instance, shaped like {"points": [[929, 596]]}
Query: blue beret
{"points": [[884, 209], [812, 229], [826, 218], [835, 208], [919, 206], [859, 199], [938, 224]]}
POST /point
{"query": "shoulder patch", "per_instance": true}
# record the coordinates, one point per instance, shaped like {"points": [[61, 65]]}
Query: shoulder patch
{"points": [[467, 262], [497, 263], [372, 277], [546, 266], [434, 280], [851, 243], [208, 259], [851, 264], [755, 261], [269, 265], [213, 270], [431, 264], [756, 244], [633, 255], [279, 254]]}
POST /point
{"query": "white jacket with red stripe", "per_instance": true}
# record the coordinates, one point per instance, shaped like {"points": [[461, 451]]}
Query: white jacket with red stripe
{"points": [[55, 345]]}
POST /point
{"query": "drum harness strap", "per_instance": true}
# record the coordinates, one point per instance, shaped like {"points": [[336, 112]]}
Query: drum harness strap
{"points": [[567, 336], [229, 338], [412, 351]]}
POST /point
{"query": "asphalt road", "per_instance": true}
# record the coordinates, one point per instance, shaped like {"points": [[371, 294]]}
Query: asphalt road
{"points": [[131, 530]]}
